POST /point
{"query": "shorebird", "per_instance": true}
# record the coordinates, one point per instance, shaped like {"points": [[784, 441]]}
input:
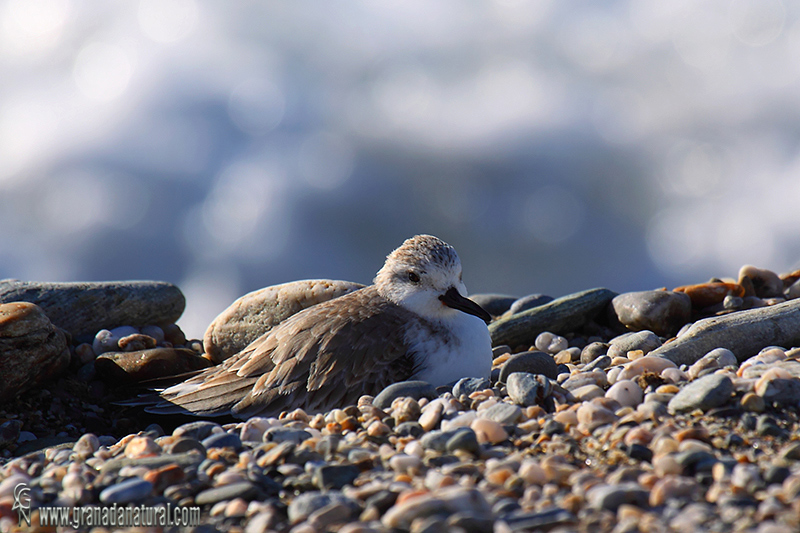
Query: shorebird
{"points": [[414, 322]]}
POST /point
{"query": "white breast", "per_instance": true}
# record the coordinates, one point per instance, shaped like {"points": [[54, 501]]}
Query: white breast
{"points": [[465, 352]]}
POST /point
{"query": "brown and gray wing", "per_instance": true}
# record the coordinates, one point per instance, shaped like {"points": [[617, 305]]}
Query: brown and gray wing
{"points": [[330, 357]]}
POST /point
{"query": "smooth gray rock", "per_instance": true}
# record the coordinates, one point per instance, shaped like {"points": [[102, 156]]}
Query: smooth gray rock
{"points": [[284, 434], [744, 333], [223, 440], [464, 439], [412, 389], [529, 302], [85, 308], [783, 391], [562, 315], [502, 413], [534, 362], [241, 489], [593, 350], [647, 341], [130, 490], [198, 430], [662, 312], [610, 497], [259, 311], [184, 460], [527, 389], [704, 393], [334, 477], [495, 304], [308, 502]]}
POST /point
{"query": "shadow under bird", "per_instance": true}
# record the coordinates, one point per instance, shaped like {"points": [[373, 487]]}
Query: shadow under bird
{"points": [[414, 322]]}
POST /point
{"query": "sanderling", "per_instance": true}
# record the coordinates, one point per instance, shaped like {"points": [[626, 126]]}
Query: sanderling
{"points": [[414, 322]]}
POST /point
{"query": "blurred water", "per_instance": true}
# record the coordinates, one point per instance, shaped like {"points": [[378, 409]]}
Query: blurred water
{"points": [[558, 145]]}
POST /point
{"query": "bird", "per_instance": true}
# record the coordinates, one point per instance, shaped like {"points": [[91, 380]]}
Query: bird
{"points": [[414, 322]]}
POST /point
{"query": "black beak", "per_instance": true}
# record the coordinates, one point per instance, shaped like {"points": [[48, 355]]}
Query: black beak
{"points": [[453, 299]]}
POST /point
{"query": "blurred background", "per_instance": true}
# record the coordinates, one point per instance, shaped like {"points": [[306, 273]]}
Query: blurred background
{"points": [[559, 146]]}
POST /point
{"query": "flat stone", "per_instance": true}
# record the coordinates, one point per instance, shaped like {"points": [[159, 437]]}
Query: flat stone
{"points": [[534, 362], [502, 413], [662, 312], [85, 308], [127, 491], [745, 333], [529, 302], [705, 393], [494, 304], [334, 477], [540, 521], [411, 389], [464, 439], [32, 349], [241, 489], [610, 497], [716, 358], [257, 312], [199, 429], [283, 434], [136, 366], [223, 440], [447, 501], [560, 316], [183, 460]]}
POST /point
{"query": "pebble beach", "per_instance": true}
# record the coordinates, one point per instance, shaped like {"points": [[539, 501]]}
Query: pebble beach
{"points": [[606, 411]]}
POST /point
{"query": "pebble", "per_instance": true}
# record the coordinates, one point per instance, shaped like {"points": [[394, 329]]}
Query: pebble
{"points": [[705, 295], [223, 440], [33, 349], [241, 489], [662, 312], [526, 389], [716, 358], [648, 363], [199, 429], [127, 491], [307, 503], [488, 431], [625, 392], [610, 497], [502, 413], [704, 393], [766, 283], [646, 341], [551, 343], [466, 386], [534, 362], [411, 389]]}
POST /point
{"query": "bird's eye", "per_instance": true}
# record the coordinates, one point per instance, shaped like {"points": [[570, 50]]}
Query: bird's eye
{"points": [[413, 277]]}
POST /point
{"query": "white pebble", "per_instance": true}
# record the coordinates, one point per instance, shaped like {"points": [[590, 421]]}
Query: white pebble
{"points": [[626, 392]]}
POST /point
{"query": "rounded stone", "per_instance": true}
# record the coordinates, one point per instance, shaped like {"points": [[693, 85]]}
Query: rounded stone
{"points": [[662, 312], [241, 489], [592, 351], [704, 393], [626, 392], [223, 440], [466, 386], [529, 302], [534, 362], [494, 304], [127, 491], [645, 340], [411, 389], [527, 389]]}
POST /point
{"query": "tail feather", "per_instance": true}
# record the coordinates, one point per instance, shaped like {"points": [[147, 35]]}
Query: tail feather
{"points": [[213, 398]]}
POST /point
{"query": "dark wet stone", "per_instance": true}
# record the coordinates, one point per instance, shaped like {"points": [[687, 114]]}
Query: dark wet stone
{"points": [[495, 304], [703, 393], [241, 489], [610, 497], [197, 430], [382, 500], [9, 432], [412, 389], [696, 461], [466, 386], [223, 440], [130, 490], [775, 475], [86, 308], [464, 439], [334, 477], [133, 367], [640, 452], [470, 522], [284, 434], [529, 302], [534, 362], [767, 427], [435, 440]]}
